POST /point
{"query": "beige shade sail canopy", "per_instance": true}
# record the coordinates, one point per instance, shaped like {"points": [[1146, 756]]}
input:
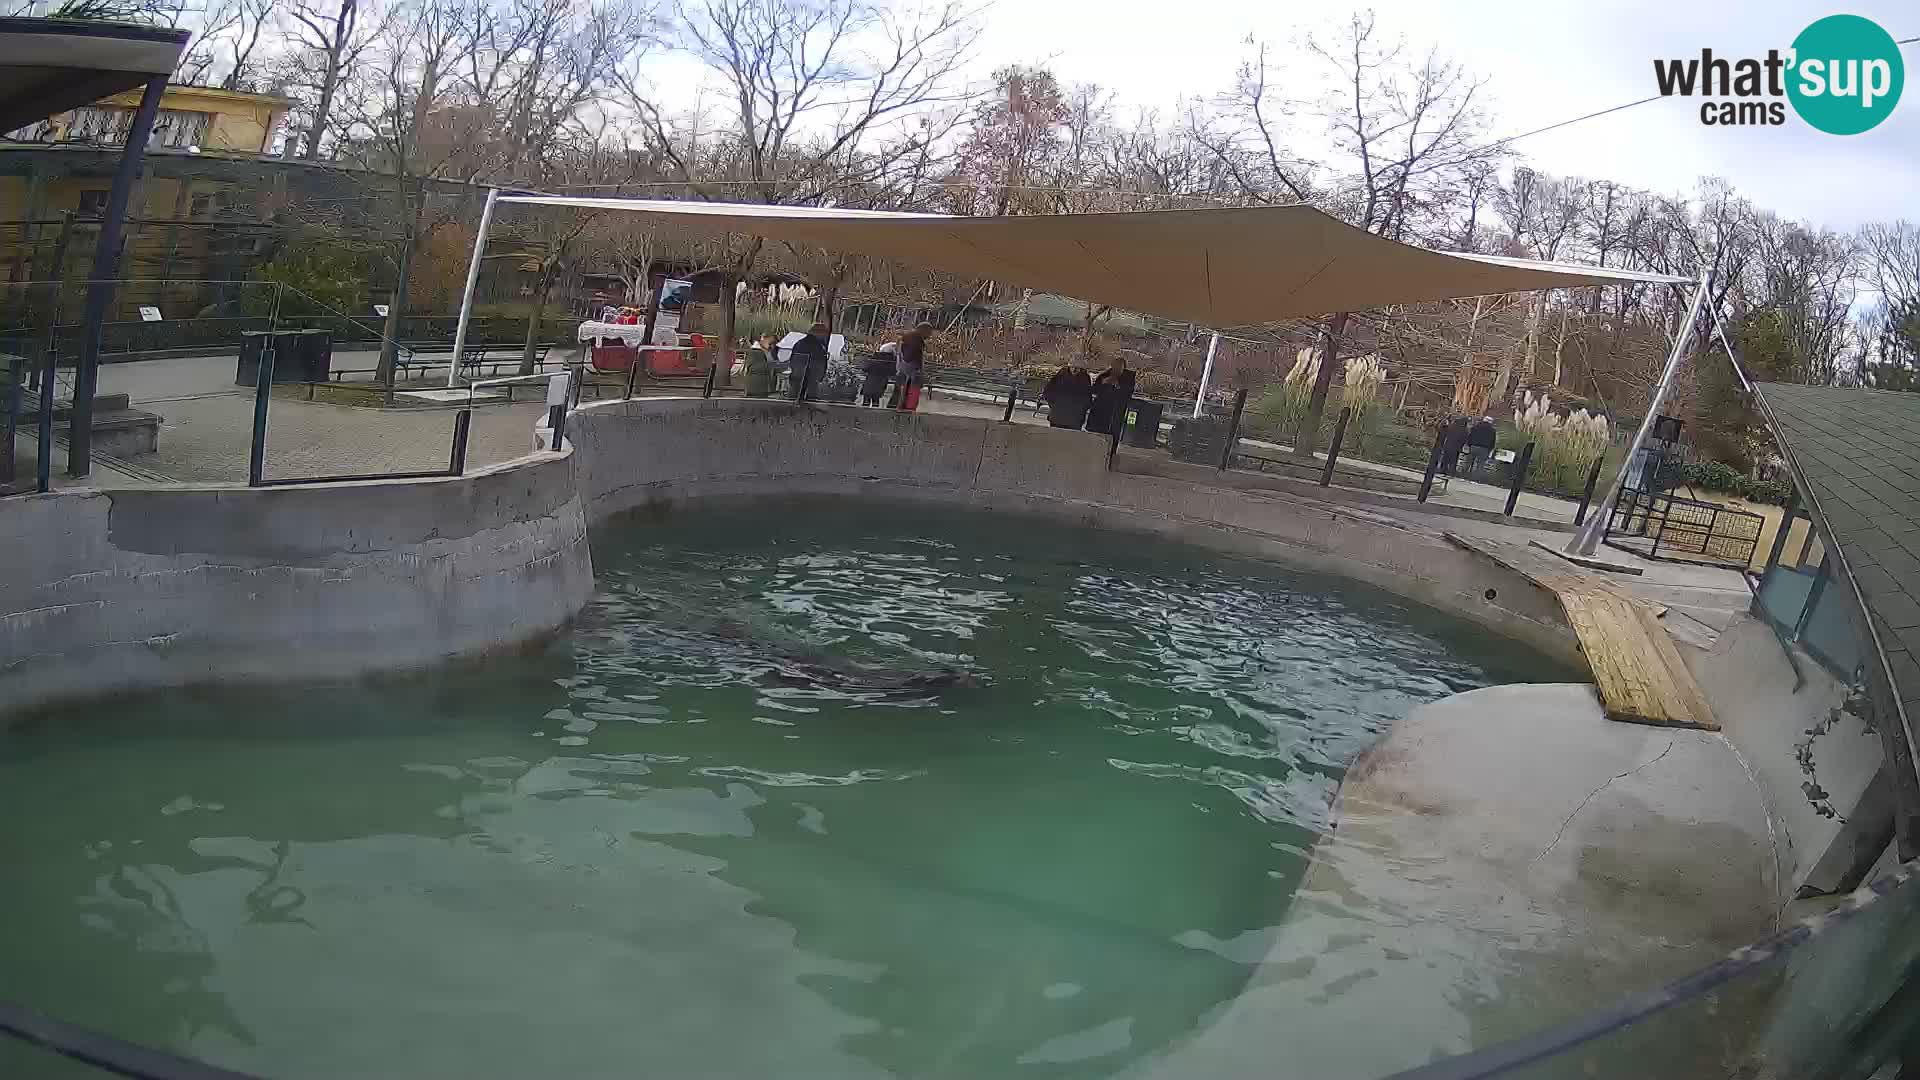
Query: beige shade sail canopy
{"points": [[1215, 267]]}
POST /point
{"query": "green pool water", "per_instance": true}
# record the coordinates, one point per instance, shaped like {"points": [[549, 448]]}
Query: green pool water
{"points": [[721, 827]]}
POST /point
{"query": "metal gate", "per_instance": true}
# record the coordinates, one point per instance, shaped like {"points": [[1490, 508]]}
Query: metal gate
{"points": [[1656, 525]]}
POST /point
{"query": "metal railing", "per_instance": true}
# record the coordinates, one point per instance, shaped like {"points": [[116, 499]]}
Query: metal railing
{"points": [[1658, 525]]}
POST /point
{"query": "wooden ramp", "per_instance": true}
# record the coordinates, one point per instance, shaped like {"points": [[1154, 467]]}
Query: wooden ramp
{"points": [[1639, 672]]}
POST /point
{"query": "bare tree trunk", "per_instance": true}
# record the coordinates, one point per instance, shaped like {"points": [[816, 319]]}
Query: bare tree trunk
{"points": [[320, 111], [1307, 440], [533, 319], [397, 303], [335, 55], [829, 302], [1560, 349]]}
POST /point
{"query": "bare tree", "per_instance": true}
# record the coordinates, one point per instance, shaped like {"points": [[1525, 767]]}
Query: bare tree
{"points": [[1402, 132], [1543, 214], [330, 36], [406, 120], [824, 97]]}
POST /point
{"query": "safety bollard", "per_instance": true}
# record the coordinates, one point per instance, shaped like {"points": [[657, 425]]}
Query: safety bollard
{"points": [[1586, 497], [1233, 429], [1333, 448], [1433, 463], [462, 421], [1519, 477]]}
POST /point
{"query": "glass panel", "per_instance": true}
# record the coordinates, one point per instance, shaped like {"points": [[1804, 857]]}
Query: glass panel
{"points": [[1830, 635], [1836, 995], [1783, 596]]}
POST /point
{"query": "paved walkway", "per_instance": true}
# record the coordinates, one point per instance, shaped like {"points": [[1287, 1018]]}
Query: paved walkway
{"points": [[206, 429]]}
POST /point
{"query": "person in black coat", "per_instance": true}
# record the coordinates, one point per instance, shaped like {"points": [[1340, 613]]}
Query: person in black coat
{"points": [[878, 371], [809, 363], [1452, 442], [1481, 439], [1068, 395], [1111, 390]]}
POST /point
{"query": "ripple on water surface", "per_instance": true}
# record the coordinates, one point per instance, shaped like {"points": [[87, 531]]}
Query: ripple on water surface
{"points": [[813, 789]]}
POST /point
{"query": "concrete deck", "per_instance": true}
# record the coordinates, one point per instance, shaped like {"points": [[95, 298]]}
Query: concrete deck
{"points": [[1504, 859]]}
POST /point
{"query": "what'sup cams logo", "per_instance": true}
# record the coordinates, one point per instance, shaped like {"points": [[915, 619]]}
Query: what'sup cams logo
{"points": [[1843, 75]]}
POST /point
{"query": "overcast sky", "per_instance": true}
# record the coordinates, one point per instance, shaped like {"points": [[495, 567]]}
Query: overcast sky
{"points": [[1545, 62]]}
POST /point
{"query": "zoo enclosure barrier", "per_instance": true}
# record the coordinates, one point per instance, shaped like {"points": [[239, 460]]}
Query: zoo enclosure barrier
{"points": [[172, 404], [1660, 525]]}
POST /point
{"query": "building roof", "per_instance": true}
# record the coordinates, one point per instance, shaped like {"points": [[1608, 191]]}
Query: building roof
{"points": [[48, 66], [1856, 457], [1216, 267]]}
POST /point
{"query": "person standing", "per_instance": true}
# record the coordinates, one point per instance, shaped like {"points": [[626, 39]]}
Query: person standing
{"points": [[1112, 389], [1068, 395], [910, 371], [878, 370], [1453, 441], [809, 363], [1481, 439], [760, 366]]}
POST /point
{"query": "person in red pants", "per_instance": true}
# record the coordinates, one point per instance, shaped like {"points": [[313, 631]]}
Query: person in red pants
{"points": [[910, 369]]}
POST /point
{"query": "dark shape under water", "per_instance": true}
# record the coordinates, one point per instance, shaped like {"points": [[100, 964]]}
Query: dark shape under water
{"points": [[812, 667]]}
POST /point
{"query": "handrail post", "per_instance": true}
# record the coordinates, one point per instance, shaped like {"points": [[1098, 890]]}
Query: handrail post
{"points": [[1433, 463], [1787, 512], [1586, 497], [1333, 448], [1520, 465], [1013, 398], [1233, 428], [462, 420], [707, 390], [633, 372], [262, 390], [1119, 425]]}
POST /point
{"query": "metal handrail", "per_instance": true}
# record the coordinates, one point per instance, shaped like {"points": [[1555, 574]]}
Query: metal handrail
{"points": [[538, 376]]}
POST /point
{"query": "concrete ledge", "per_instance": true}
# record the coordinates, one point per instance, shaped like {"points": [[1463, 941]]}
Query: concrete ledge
{"points": [[105, 591], [1504, 859]]}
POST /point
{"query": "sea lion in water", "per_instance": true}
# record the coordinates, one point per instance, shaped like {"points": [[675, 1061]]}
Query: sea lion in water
{"points": [[812, 667]]}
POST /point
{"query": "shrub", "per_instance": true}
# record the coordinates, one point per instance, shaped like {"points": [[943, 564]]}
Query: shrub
{"points": [[1279, 411], [1772, 492], [1713, 476]]}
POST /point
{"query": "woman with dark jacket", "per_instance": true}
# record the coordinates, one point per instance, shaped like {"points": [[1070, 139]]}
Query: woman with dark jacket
{"points": [[909, 373], [808, 371], [1068, 395], [1111, 390], [878, 370]]}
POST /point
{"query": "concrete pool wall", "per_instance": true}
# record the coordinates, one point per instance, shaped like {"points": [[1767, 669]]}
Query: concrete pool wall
{"points": [[112, 590], [652, 453], [105, 591]]}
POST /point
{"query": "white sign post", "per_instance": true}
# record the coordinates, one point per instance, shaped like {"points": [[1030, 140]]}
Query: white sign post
{"points": [[149, 314]]}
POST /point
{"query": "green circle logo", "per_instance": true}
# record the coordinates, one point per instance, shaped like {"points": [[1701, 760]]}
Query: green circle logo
{"points": [[1846, 75]]}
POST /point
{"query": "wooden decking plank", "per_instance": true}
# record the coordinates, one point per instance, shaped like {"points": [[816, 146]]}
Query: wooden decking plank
{"points": [[1637, 669]]}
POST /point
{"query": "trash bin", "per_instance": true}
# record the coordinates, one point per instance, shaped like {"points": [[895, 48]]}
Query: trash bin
{"points": [[314, 350], [298, 356], [1145, 431]]}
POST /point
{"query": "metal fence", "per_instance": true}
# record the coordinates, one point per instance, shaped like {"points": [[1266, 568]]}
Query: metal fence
{"points": [[179, 400], [1657, 525]]}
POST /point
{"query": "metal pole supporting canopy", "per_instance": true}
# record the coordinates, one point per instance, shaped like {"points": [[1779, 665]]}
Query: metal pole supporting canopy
{"points": [[473, 279], [1587, 540], [1206, 376]]}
